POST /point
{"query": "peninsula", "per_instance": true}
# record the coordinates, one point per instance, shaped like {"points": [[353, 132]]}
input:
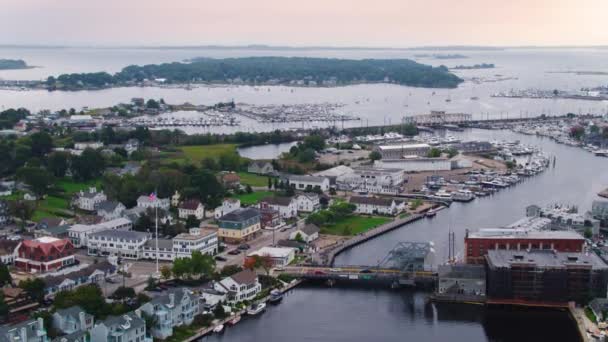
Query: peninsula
{"points": [[13, 64], [295, 71], [473, 67]]}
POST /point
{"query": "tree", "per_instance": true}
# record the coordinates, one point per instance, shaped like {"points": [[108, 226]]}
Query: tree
{"points": [[259, 261], [375, 155], [434, 153], [41, 144], [4, 309], [192, 221], [89, 165], [123, 293], [299, 237], [248, 189], [229, 270], [5, 275], [22, 210], [588, 233], [143, 223], [165, 272], [210, 190], [89, 297], [151, 283], [58, 163], [181, 268], [269, 183], [37, 178], [34, 288], [151, 103], [315, 142], [209, 164], [202, 265], [219, 312]]}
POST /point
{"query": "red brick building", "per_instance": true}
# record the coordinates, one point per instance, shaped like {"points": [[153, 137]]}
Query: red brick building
{"points": [[44, 254], [478, 244]]}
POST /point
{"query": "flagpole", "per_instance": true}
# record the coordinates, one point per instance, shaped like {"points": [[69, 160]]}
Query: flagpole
{"points": [[157, 271]]}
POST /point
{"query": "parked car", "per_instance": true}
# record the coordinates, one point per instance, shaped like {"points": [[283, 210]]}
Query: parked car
{"points": [[220, 258], [234, 252], [244, 247]]}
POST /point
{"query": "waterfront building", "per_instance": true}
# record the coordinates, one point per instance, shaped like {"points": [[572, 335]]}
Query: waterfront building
{"points": [[122, 243], [79, 233], [374, 180], [461, 279], [308, 182], [28, 331], [86, 200], [228, 205], [566, 217], [129, 327], [334, 173], [286, 206], [308, 202], [475, 147], [260, 168], [170, 310], [400, 151], [204, 240], [191, 208], [240, 286], [478, 244], [153, 202], [308, 233], [240, 225], [417, 164], [44, 254], [280, 256], [377, 205], [437, 117], [71, 320], [545, 276]]}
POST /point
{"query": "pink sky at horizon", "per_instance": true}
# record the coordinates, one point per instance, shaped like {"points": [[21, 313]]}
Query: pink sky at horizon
{"points": [[388, 23]]}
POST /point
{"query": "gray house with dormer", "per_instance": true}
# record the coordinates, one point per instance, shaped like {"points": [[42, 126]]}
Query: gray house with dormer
{"points": [[28, 331], [129, 327], [71, 320], [176, 308]]}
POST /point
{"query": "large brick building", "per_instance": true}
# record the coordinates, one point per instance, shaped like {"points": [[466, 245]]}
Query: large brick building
{"points": [[44, 254], [479, 243]]}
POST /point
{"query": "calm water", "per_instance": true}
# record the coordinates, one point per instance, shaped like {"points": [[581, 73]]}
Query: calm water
{"points": [[353, 314], [375, 104]]}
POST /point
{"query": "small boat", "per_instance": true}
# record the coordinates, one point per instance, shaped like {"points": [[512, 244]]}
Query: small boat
{"points": [[430, 213], [275, 296], [234, 321], [256, 309], [218, 329]]}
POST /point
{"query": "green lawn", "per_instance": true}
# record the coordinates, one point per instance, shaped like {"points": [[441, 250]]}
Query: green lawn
{"points": [[354, 225], [589, 313], [253, 179], [195, 154], [181, 333], [254, 197], [70, 186]]}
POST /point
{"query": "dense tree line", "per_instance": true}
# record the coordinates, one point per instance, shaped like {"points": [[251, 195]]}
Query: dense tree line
{"points": [[263, 69]]}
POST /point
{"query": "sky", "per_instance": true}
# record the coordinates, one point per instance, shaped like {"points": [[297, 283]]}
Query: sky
{"points": [[366, 23]]}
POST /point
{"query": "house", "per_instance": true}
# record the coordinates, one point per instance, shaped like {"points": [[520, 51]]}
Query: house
{"points": [[28, 331], [5, 216], [260, 167], [131, 146], [86, 200], [84, 145], [191, 208], [203, 240], [175, 199], [280, 256], [373, 180], [71, 320], [230, 180], [153, 202], [286, 206], [110, 210], [44, 254], [50, 222], [308, 202], [308, 182], [8, 251], [60, 232], [308, 233], [79, 233], [5, 191], [228, 205], [376, 205], [92, 274], [174, 309], [129, 327], [270, 218], [78, 336], [121, 243], [210, 298], [240, 225], [240, 286]]}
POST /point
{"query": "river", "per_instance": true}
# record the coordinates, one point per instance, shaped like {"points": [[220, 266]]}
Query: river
{"points": [[311, 313]]}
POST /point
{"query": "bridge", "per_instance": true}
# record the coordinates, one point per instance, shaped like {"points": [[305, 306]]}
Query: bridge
{"points": [[407, 264]]}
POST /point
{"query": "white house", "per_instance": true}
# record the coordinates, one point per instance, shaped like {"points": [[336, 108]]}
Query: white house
{"points": [[373, 180], [308, 233], [147, 202], [86, 200], [240, 286], [260, 168], [308, 182], [123, 243], [204, 240], [228, 205], [191, 207], [84, 145], [79, 233], [110, 210], [377, 205], [131, 146], [308, 202], [286, 206], [280, 256]]}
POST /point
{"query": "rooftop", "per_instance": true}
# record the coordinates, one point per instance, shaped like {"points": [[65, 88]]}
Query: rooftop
{"points": [[379, 201], [510, 233], [273, 252], [543, 259], [403, 146], [241, 214], [311, 179], [204, 232], [121, 234]]}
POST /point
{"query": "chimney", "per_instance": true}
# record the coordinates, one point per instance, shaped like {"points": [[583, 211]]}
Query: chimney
{"points": [[83, 323], [138, 313], [23, 334], [171, 299], [40, 323]]}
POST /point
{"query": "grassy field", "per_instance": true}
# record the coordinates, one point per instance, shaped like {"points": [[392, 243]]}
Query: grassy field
{"points": [[354, 225], [196, 153], [254, 197], [253, 179], [71, 187]]}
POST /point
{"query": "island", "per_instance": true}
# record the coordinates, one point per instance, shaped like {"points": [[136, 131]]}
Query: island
{"points": [[13, 64], [472, 67], [291, 71]]}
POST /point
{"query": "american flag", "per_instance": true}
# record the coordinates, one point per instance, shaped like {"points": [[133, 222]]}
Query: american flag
{"points": [[152, 196]]}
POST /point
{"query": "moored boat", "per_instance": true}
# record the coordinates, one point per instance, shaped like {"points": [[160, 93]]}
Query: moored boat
{"points": [[255, 309], [275, 296], [234, 321], [218, 329]]}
